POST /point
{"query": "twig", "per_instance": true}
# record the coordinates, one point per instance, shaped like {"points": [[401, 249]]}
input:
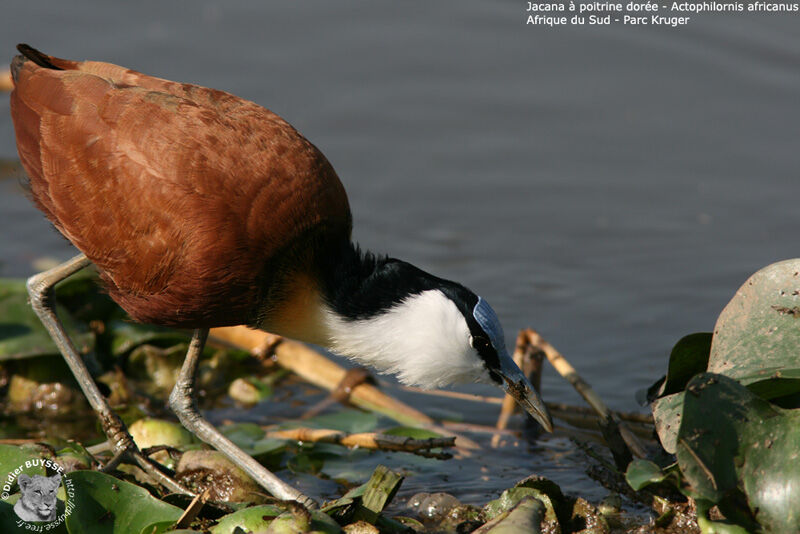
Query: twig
{"points": [[193, 509], [368, 440], [567, 371]]}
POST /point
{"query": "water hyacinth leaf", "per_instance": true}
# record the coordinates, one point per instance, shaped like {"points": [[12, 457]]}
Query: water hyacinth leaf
{"points": [[642, 473], [689, 357], [760, 327], [253, 519], [109, 505], [22, 334], [751, 445], [667, 414], [714, 412]]}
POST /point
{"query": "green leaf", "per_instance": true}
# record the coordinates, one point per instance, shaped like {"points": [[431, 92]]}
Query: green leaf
{"points": [[158, 527], [126, 335], [689, 357], [253, 519], [731, 440], [22, 334], [104, 504], [757, 334], [352, 421], [9, 519], [755, 341], [250, 438], [13, 457], [642, 473], [667, 413]]}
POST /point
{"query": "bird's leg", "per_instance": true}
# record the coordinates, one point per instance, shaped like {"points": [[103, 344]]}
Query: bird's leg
{"points": [[40, 289], [183, 403]]}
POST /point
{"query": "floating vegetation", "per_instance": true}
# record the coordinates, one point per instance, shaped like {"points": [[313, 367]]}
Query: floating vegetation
{"points": [[719, 453]]}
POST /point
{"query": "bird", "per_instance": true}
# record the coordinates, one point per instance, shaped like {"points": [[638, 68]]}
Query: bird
{"points": [[201, 209]]}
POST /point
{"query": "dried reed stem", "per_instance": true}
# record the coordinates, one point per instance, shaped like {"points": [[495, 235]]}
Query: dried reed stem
{"points": [[368, 440], [592, 398]]}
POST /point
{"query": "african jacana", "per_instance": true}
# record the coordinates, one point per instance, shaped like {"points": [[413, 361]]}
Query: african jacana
{"points": [[200, 209]]}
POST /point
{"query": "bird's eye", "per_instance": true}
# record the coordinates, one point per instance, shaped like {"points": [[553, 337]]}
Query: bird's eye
{"points": [[479, 342]]}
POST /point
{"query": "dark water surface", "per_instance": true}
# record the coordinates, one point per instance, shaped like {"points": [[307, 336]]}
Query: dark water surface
{"points": [[610, 187]]}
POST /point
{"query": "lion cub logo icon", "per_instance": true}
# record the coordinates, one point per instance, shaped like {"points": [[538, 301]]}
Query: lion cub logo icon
{"points": [[38, 500]]}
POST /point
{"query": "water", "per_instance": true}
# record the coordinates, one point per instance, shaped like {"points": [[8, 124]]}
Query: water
{"points": [[610, 187]]}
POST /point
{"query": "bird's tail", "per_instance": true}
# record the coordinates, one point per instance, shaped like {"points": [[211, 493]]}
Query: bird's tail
{"points": [[30, 53]]}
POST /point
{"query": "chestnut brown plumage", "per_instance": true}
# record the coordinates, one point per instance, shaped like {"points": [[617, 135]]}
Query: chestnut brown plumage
{"points": [[202, 209], [161, 184]]}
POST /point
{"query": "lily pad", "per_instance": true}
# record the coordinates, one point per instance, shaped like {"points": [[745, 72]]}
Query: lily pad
{"points": [[104, 504], [13, 457]]}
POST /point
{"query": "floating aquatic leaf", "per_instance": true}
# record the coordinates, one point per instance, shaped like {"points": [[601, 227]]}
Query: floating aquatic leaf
{"points": [[689, 356], [751, 447], [104, 504], [352, 421], [13, 457], [253, 519], [757, 334], [642, 473], [127, 335], [22, 334], [755, 341]]}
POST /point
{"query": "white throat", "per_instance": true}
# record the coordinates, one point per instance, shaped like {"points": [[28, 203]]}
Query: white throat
{"points": [[424, 340]]}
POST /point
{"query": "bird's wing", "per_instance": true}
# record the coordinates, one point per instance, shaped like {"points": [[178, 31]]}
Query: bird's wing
{"points": [[164, 185]]}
